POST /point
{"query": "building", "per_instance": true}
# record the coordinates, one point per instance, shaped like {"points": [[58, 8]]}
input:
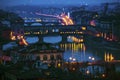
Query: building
{"points": [[108, 27], [83, 17], [44, 54], [31, 62]]}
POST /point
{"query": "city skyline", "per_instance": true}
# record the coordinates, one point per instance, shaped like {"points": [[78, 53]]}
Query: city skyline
{"points": [[4, 3]]}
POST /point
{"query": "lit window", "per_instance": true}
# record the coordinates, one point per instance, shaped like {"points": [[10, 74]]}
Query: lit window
{"points": [[83, 28]]}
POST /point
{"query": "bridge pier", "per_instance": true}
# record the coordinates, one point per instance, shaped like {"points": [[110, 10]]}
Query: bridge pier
{"points": [[64, 38], [41, 39]]}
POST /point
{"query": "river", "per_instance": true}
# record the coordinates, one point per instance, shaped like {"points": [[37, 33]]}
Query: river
{"points": [[79, 51]]}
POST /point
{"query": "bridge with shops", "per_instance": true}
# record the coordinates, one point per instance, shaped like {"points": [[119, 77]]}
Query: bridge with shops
{"points": [[62, 30]]}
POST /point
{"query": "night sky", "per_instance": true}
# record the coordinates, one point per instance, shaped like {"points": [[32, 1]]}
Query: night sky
{"points": [[51, 2]]}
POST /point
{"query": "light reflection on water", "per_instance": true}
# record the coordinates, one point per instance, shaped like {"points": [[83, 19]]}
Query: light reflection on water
{"points": [[82, 52], [78, 51]]}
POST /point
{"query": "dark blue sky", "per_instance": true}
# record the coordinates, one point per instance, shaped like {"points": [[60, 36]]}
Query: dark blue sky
{"points": [[51, 2]]}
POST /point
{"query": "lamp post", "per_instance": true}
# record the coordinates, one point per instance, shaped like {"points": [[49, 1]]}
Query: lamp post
{"points": [[92, 59], [72, 59], [72, 63]]}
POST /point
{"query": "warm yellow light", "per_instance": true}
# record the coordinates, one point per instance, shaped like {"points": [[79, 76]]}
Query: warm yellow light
{"points": [[87, 72], [65, 21], [83, 28], [81, 32], [24, 42], [108, 57], [103, 75], [38, 20], [111, 57], [21, 36], [59, 65], [81, 40], [73, 69], [38, 32], [13, 38], [98, 35], [105, 57]]}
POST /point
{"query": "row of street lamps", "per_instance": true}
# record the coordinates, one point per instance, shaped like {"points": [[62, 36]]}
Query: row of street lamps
{"points": [[72, 59]]}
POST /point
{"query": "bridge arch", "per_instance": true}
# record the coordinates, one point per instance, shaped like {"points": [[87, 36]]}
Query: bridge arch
{"points": [[25, 24], [36, 24]]}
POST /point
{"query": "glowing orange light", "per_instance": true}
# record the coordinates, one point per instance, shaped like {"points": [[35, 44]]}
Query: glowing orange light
{"points": [[81, 40], [103, 75], [66, 20], [23, 40], [11, 36], [87, 72], [83, 28], [59, 65], [19, 37], [71, 22], [98, 35]]}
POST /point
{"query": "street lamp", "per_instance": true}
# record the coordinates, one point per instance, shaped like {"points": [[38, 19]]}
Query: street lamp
{"points": [[87, 72], [72, 59], [91, 58]]}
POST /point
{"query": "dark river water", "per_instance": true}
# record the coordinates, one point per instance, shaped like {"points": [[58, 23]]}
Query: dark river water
{"points": [[81, 51]]}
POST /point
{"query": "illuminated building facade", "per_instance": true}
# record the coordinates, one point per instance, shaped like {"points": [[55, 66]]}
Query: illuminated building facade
{"points": [[44, 55]]}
